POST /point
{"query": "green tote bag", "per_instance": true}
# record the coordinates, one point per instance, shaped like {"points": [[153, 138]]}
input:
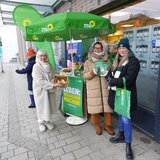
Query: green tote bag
{"points": [[122, 102]]}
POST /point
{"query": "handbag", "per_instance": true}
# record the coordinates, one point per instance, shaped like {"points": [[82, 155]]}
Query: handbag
{"points": [[122, 102]]}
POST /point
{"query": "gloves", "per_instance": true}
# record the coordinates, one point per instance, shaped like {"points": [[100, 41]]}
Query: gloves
{"points": [[17, 70], [110, 81]]}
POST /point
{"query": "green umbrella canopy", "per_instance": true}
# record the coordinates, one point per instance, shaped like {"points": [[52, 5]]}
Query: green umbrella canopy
{"points": [[68, 25], [24, 15]]}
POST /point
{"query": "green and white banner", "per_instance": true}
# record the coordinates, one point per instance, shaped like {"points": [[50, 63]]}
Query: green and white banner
{"points": [[73, 96]]}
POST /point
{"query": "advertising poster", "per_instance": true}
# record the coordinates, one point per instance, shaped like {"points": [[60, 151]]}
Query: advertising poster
{"points": [[72, 97], [75, 49]]}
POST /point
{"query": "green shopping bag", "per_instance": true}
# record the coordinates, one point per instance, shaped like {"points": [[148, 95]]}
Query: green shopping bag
{"points": [[122, 102]]}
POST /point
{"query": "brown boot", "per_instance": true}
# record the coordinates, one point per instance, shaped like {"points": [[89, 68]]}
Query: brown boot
{"points": [[95, 120], [107, 121], [98, 129]]}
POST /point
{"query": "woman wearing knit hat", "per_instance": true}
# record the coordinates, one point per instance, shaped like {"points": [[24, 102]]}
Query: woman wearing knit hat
{"points": [[44, 91], [125, 65], [30, 55]]}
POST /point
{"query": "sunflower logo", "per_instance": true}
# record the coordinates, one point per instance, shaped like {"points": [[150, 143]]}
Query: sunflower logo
{"points": [[26, 21], [92, 23], [57, 38], [82, 36], [34, 37], [50, 27]]}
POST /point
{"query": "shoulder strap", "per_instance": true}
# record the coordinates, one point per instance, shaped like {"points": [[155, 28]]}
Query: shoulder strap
{"points": [[124, 83]]}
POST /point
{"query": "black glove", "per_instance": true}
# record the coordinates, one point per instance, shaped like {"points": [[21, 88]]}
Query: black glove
{"points": [[110, 81]]}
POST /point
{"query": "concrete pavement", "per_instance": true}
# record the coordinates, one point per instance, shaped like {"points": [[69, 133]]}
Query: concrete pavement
{"points": [[20, 138]]}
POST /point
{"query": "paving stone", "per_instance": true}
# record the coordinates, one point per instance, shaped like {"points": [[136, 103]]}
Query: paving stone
{"points": [[20, 150], [68, 156], [44, 136], [85, 158], [23, 156], [57, 158], [109, 151], [51, 146], [4, 143], [60, 143], [97, 156], [3, 149], [73, 139], [31, 154], [72, 147], [66, 129], [57, 152], [51, 140], [150, 154], [7, 154], [64, 136], [54, 133], [82, 152]]}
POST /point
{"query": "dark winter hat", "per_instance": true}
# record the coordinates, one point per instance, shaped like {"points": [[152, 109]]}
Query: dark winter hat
{"points": [[124, 42]]}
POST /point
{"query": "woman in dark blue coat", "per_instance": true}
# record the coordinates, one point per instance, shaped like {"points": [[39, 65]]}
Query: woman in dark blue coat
{"points": [[31, 55], [125, 65]]}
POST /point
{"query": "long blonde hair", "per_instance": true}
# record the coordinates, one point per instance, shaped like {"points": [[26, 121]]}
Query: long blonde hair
{"points": [[116, 63]]}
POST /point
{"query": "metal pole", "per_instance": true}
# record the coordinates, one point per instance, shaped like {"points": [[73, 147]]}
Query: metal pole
{"points": [[71, 42]]}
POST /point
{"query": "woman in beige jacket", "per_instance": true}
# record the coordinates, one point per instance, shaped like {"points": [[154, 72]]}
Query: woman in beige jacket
{"points": [[97, 90]]}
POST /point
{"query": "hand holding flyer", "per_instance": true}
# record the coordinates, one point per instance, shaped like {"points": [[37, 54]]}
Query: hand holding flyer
{"points": [[102, 67]]}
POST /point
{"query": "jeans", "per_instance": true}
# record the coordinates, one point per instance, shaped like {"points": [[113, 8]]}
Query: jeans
{"points": [[125, 124], [32, 100]]}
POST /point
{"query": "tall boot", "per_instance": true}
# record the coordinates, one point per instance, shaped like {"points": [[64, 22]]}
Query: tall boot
{"points": [[107, 123], [129, 153], [95, 120], [119, 138]]}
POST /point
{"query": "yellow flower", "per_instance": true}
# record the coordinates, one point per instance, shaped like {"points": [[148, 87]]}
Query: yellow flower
{"points": [[26, 21], [57, 38], [92, 23], [50, 27]]}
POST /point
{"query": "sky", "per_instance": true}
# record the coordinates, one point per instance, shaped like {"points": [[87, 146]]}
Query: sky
{"points": [[8, 36]]}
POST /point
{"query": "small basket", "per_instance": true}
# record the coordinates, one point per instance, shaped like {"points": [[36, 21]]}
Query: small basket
{"points": [[61, 79]]}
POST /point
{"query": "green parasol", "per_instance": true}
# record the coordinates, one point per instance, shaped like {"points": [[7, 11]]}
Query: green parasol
{"points": [[24, 15], [68, 25]]}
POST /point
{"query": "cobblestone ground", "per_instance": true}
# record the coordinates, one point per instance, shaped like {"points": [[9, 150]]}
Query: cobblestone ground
{"points": [[20, 138]]}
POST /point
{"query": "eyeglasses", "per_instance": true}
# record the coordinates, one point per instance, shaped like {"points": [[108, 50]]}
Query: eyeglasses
{"points": [[42, 56], [97, 48]]}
